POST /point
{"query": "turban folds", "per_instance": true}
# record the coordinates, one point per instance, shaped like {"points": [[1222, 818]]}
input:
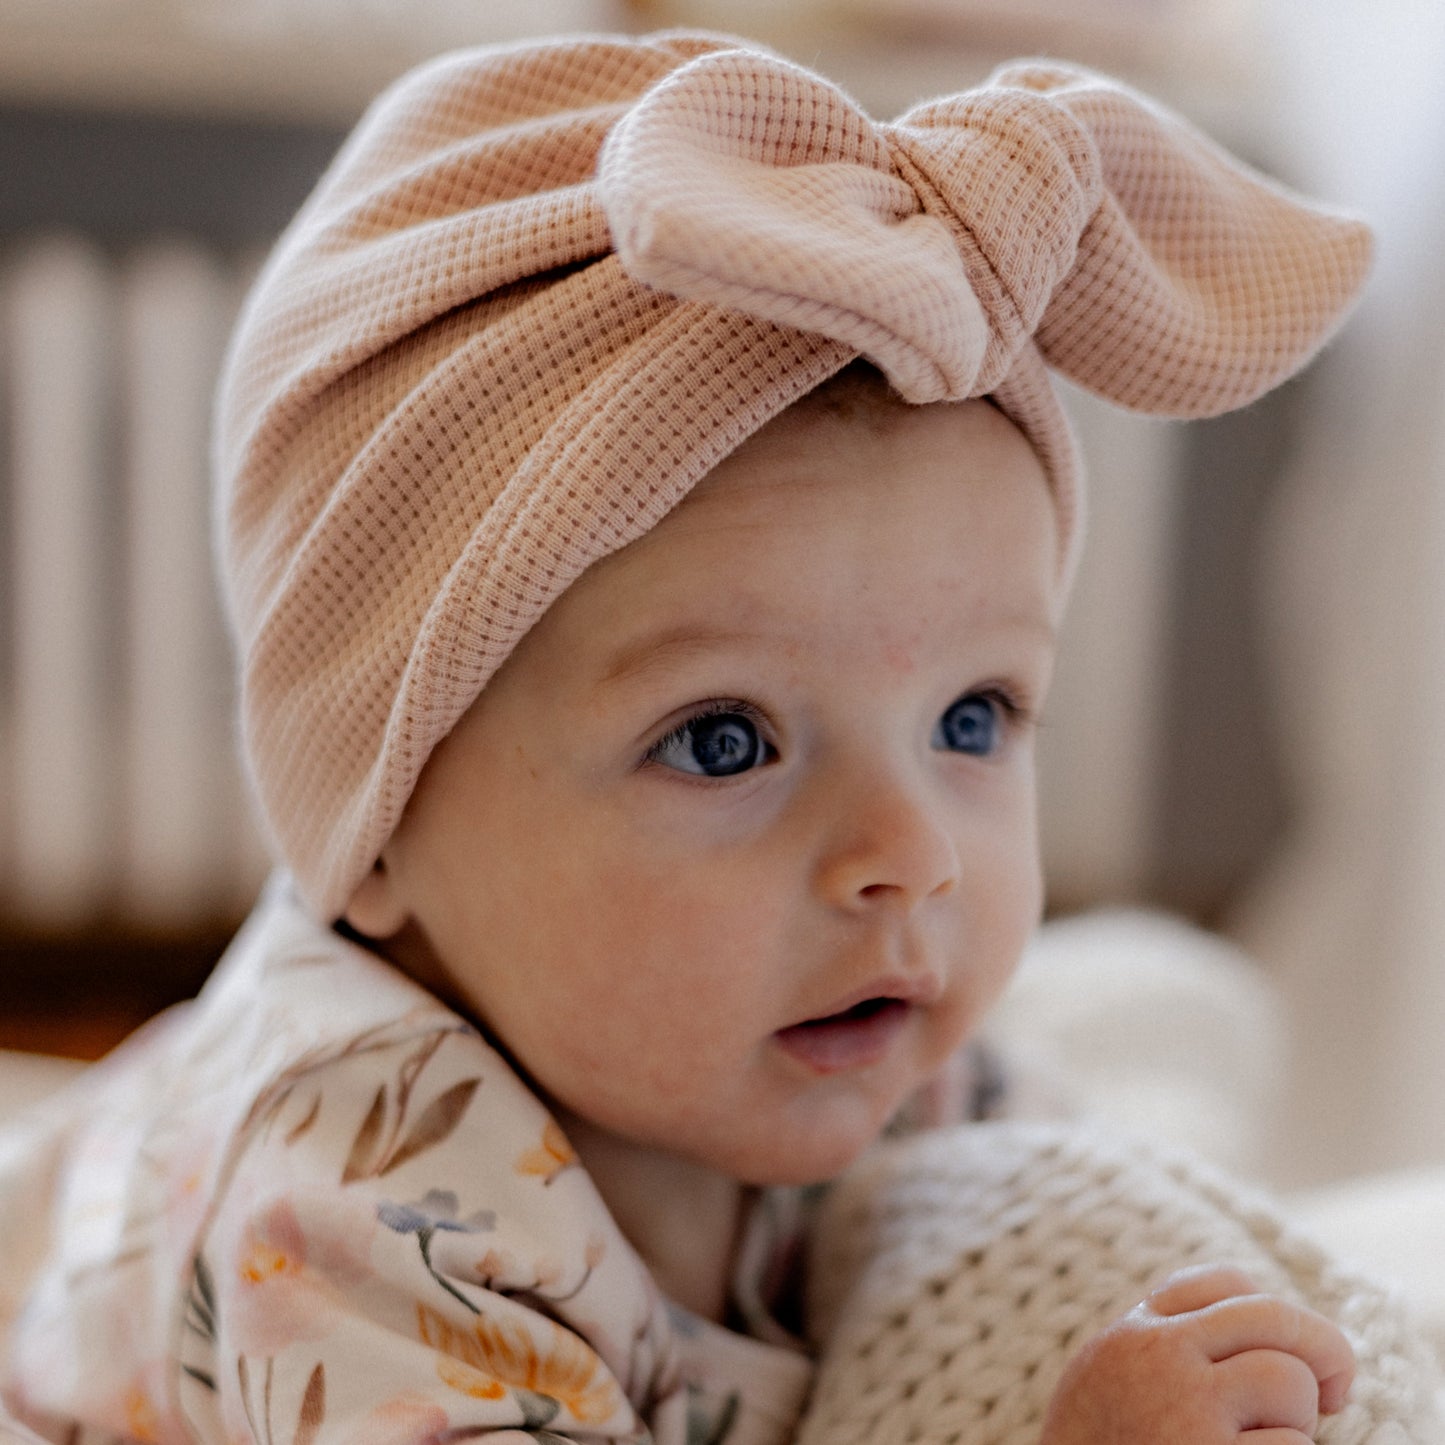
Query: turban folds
{"points": [[544, 289]]}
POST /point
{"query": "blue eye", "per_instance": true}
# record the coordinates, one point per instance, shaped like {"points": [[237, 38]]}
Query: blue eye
{"points": [[970, 725], [714, 745]]}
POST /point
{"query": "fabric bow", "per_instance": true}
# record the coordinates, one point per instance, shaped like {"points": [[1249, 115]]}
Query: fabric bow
{"points": [[1149, 266]]}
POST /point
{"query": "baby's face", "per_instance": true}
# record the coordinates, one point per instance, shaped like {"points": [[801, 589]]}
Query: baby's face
{"points": [[740, 843]]}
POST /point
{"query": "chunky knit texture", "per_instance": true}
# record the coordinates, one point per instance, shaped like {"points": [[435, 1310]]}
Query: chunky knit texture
{"points": [[545, 288], [955, 1273]]}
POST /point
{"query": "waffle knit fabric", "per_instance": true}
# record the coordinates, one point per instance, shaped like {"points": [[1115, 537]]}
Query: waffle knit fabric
{"points": [[544, 289], [956, 1272]]}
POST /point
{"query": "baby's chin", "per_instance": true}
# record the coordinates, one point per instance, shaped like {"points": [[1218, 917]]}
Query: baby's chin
{"points": [[794, 1156]]}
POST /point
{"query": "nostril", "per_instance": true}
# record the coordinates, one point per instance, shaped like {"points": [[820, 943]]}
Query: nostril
{"points": [[883, 891]]}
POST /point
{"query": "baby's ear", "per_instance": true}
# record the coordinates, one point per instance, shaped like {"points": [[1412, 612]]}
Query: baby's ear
{"points": [[376, 910]]}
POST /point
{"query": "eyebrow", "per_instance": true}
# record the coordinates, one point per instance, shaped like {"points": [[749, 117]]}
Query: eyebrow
{"points": [[661, 650], [671, 647]]}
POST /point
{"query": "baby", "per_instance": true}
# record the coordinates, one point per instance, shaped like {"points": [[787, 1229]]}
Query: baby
{"points": [[645, 522]]}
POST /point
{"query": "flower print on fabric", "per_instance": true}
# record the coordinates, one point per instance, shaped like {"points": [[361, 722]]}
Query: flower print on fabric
{"points": [[292, 1279], [548, 1368], [141, 1406], [539, 1280], [551, 1157], [436, 1210], [268, 1427], [710, 1421], [410, 1227], [395, 1128], [403, 1420], [383, 1145], [345, 1218]]}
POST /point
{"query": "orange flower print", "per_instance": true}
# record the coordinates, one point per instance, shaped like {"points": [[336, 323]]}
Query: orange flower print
{"points": [[403, 1420], [555, 1155], [494, 1354], [277, 1300], [261, 1261], [284, 1264], [140, 1415], [138, 1410]]}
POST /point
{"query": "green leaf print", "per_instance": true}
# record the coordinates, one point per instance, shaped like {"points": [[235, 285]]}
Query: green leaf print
{"points": [[708, 1421], [201, 1300], [537, 1410]]}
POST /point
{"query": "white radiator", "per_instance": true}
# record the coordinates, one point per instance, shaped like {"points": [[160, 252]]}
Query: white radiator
{"points": [[119, 795]]}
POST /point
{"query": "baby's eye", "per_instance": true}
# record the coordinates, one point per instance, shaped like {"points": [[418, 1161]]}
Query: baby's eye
{"points": [[973, 725], [714, 745]]}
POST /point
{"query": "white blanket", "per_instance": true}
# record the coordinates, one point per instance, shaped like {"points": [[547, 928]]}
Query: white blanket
{"points": [[957, 1271]]}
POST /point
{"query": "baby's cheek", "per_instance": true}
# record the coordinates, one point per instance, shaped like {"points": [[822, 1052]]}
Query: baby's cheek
{"points": [[1017, 893], [691, 924]]}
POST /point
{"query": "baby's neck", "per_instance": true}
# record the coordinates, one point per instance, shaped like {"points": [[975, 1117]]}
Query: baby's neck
{"points": [[681, 1217]]}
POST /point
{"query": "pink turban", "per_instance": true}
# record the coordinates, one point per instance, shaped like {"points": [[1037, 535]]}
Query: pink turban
{"points": [[544, 289]]}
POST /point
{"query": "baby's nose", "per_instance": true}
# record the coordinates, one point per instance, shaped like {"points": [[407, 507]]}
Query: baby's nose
{"points": [[894, 849]]}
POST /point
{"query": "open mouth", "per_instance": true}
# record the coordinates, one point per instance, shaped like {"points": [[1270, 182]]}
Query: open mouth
{"points": [[852, 1039]]}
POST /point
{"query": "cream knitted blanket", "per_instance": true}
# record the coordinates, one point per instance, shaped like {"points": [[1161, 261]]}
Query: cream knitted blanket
{"points": [[955, 1272]]}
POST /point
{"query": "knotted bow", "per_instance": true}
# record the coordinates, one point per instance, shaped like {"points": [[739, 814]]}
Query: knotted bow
{"points": [[1051, 203]]}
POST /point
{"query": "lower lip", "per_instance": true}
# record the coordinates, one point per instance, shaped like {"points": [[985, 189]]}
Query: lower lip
{"points": [[849, 1041]]}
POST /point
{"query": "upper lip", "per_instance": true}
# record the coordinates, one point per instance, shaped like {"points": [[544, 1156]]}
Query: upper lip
{"points": [[919, 988]]}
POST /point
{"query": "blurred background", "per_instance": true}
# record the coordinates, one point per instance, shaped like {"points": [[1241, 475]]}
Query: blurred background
{"points": [[1249, 726]]}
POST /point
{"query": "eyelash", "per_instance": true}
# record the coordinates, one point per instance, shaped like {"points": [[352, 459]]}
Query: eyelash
{"points": [[713, 707], [1017, 712]]}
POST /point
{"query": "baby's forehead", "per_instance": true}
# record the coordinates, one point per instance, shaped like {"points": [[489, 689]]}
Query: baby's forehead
{"points": [[939, 507], [857, 412]]}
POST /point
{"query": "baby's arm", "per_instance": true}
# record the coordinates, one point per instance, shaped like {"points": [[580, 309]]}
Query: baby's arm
{"points": [[1205, 1360]]}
